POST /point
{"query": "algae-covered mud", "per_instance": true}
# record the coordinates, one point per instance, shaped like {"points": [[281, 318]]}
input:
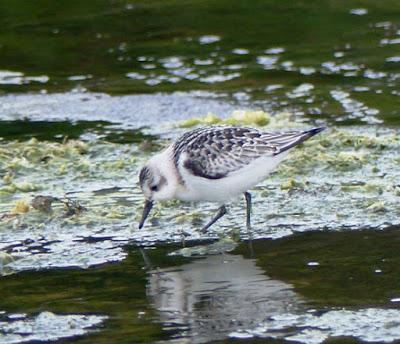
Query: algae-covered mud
{"points": [[76, 203], [90, 90]]}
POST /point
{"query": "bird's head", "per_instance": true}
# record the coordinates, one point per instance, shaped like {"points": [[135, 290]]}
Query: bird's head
{"points": [[153, 183], [154, 186]]}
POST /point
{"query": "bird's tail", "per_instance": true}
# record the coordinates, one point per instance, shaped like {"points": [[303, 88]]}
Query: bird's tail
{"points": [[297, 138]]}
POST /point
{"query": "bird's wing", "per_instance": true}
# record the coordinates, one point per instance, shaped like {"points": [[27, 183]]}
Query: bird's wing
{"points": [[214, 152]]}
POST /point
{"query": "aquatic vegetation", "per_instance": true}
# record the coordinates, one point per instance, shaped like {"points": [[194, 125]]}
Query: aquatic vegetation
{"points": [[5, 258], [208, 119], [72, 191], [21, 207], [244, 118], [68, 167], [377, 207], [290, 184]]}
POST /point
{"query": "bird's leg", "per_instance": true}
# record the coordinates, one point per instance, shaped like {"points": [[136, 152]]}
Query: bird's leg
{"points": [[247, 196], [221, 212]]}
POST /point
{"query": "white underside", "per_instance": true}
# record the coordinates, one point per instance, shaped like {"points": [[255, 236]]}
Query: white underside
{"points": [[224, 189]]}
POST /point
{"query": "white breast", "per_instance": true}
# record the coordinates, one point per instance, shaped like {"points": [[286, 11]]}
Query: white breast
{"points": [[223, 189]]}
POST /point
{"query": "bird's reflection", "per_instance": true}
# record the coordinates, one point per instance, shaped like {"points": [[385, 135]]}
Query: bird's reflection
{"points": [[209, 298]]}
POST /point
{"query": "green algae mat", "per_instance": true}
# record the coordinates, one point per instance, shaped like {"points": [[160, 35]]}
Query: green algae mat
{"points": [[90, 90]]}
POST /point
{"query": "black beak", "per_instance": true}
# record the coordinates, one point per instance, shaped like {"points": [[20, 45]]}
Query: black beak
{"points": [[146, 210]]}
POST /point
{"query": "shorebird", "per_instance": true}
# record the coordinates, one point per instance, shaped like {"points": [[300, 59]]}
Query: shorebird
{"points": [[216, 164]]}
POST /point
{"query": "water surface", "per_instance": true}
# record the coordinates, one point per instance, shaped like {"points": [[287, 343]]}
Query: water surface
{"points": [[89, 90], [331, 59], [287, 288]]}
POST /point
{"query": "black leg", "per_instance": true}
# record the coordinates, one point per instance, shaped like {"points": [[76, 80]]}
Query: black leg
{"points": [[221, 212], [247, 196]]}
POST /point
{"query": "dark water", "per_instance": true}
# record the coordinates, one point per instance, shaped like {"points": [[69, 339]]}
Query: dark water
{"points": [[344, 55], [205, 299], [126, 72], [60, 130]]}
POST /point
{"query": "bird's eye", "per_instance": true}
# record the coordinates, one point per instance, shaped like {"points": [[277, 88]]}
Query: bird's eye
{"points": [[154, 188]]}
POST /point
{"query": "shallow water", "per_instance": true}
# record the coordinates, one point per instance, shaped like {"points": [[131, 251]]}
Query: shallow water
{"points": [[323, 264], [306, 287]]}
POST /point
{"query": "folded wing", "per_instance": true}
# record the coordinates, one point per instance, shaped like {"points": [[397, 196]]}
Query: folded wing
{"points": [[214, 152]]}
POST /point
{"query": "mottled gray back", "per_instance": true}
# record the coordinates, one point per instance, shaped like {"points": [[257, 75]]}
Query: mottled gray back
{"points": [[214, 152]]}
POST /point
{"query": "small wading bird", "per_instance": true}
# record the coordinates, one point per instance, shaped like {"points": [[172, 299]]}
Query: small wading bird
{"points": [[215, 164]]}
